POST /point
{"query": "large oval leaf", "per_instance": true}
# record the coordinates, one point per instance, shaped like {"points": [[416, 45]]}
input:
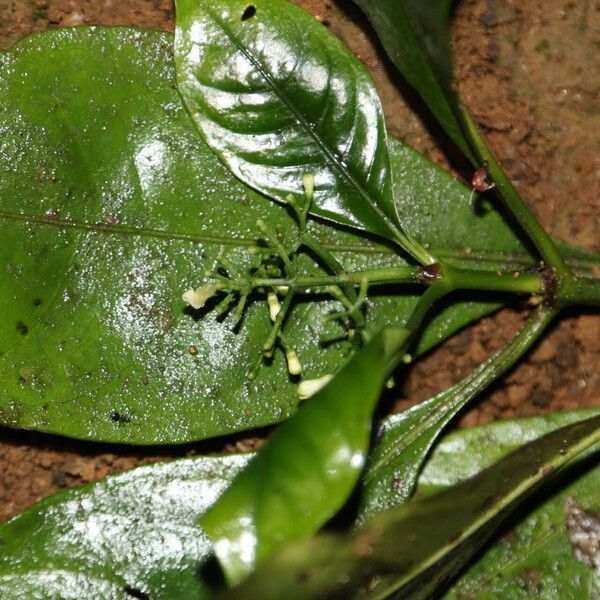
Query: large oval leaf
{"points": [[111, 206], [278, 96], [110, 209]]}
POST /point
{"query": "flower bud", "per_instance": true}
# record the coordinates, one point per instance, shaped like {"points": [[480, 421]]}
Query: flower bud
{"points": [[294, 366], [309, 185], [274, 306], [198, 298], [309, 387]]}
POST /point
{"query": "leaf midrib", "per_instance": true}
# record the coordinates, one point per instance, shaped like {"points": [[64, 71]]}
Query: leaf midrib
{"points": [[476, 257]]}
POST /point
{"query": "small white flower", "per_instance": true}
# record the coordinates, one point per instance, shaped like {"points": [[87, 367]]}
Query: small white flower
{"points": [[309, 185], [294, 366], [198, 298], [274, 306], [309, 387]]}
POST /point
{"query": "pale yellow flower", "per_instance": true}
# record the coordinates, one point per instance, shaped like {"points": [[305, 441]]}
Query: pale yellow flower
{"points": [[198, 298], [309, 387]]}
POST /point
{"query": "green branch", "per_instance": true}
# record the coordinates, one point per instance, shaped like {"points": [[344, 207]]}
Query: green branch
{"points": [[513, 201]]}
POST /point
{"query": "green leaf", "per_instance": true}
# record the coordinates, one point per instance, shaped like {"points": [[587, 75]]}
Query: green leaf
{"points": [[465, 452], [135, 531], [111, 206], [413, 551], [405, 439], [309, 467], [416, 37], [66, 544], [277, 96], [536, 557], [539, 557]]}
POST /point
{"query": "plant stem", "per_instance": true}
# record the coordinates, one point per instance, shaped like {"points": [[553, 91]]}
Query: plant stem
{"points": [[513, 201], [557, 290], [523, 283], [516, 282], [426, 301], [404, 274], [578, 292]]}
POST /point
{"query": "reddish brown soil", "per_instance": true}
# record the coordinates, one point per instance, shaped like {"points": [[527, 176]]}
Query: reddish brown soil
{"points": [[528, 71]]}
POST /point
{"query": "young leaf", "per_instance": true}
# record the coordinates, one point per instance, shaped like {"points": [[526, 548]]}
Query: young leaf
{"points": [[129, 535], [406, 438], [309, 467], [415, 35], [277, 96], [413, 551]]}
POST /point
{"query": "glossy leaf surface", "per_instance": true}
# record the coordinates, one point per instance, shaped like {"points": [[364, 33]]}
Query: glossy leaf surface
{"points": [[413, 551], [58, 530], [535, 558], [309, 467], [111, 206], [405, 439], [277, 96], [466, 452], [131, 533], [415, 35]]}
